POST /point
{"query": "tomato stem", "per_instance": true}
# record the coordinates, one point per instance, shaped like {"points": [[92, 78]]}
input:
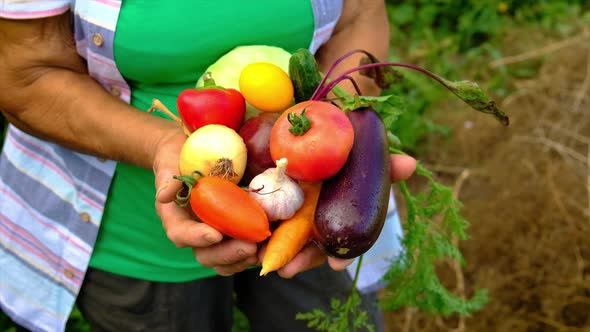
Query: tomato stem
{"points": [[300, 124], [183, 195]]}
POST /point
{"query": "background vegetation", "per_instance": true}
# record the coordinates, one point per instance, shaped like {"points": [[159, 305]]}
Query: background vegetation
{"points": [[525, 188]]}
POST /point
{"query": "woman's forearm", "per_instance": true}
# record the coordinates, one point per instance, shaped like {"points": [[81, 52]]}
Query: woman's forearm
{"points": [[49, 95], [73, 110]]}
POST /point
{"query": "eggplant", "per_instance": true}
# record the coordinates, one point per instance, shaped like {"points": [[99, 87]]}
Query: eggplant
{"points": [[353, 203]]}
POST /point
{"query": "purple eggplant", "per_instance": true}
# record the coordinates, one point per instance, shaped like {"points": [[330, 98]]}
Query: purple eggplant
{"points": [[353, 203]]}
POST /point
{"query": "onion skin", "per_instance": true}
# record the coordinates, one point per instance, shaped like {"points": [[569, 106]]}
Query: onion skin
{"points": [[353, 204], [210, 147]]}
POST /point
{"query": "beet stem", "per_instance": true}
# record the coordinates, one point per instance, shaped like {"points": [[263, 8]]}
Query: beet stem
{"points": [[324, 90], [331, 69]]}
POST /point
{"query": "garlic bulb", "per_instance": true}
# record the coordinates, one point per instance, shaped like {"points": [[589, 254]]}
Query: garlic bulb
{"points": [[279, 195]]}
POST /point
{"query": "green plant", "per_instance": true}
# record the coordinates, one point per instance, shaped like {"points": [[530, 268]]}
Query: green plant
{"points": [[412, 279], [240, 321], [344, 316], [76, 322], [463, 36], [6, 324]]}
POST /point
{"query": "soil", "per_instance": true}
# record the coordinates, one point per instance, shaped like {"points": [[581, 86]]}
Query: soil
{"points": [[526, 191]]}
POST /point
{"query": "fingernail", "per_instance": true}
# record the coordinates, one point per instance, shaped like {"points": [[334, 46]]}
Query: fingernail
{"points": [[211, 238]]}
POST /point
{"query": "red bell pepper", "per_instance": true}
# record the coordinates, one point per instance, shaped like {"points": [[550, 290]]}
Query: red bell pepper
{"points": [[211, 104]]}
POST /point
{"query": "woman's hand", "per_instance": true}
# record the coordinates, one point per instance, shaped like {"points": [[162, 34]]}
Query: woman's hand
{"points": [[402, 167], [211, 249]]}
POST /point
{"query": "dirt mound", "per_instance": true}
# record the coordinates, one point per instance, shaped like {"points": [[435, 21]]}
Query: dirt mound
{"points": [[526, 190]]}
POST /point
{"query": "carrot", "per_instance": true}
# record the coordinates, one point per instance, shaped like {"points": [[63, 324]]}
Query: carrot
{"points": [[292, 234]]}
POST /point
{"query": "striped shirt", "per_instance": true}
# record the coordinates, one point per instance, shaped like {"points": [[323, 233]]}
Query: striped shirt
{"points": [[53, 198]]}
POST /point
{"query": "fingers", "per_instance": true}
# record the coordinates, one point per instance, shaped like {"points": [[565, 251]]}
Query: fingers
{"points": [[165, 167], [309, 257], [229, 270], [166, 187], [227, 252], [402, 167], [338, 264], [210, 249], [183, 230], [228, 257]]}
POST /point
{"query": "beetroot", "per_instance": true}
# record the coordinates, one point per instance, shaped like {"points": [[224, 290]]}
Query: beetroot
{"points": [[256, 134]]}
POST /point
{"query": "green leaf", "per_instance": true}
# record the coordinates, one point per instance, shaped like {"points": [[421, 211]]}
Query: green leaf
{"points": [[474, 96], [389, 107], [467, 91], [412, 279], [344, 316]]}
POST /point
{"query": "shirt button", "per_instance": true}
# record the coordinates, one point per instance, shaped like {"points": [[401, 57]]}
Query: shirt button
{"points": [[115, 91], [85, 216], [97, 39], [69, 273]]}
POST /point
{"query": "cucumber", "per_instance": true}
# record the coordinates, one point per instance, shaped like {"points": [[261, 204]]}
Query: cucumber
{"points": [[304, 73], [353, 203]]}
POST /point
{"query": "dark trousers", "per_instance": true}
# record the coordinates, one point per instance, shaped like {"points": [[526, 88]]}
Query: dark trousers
{"points": [[115, 303]]}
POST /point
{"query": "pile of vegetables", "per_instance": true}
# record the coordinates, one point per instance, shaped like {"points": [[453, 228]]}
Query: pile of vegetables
{"points": [[270, 158]]}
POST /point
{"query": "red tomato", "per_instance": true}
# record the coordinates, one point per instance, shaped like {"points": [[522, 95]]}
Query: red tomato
{"points": [[321, 151], [229, 209], [211, 105]]}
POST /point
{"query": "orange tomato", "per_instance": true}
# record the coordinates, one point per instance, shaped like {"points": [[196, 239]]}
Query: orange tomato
{"points": [[229, 209]]}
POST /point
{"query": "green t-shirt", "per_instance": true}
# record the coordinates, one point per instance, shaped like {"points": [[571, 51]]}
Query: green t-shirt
{"points": [[162, 48]]}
